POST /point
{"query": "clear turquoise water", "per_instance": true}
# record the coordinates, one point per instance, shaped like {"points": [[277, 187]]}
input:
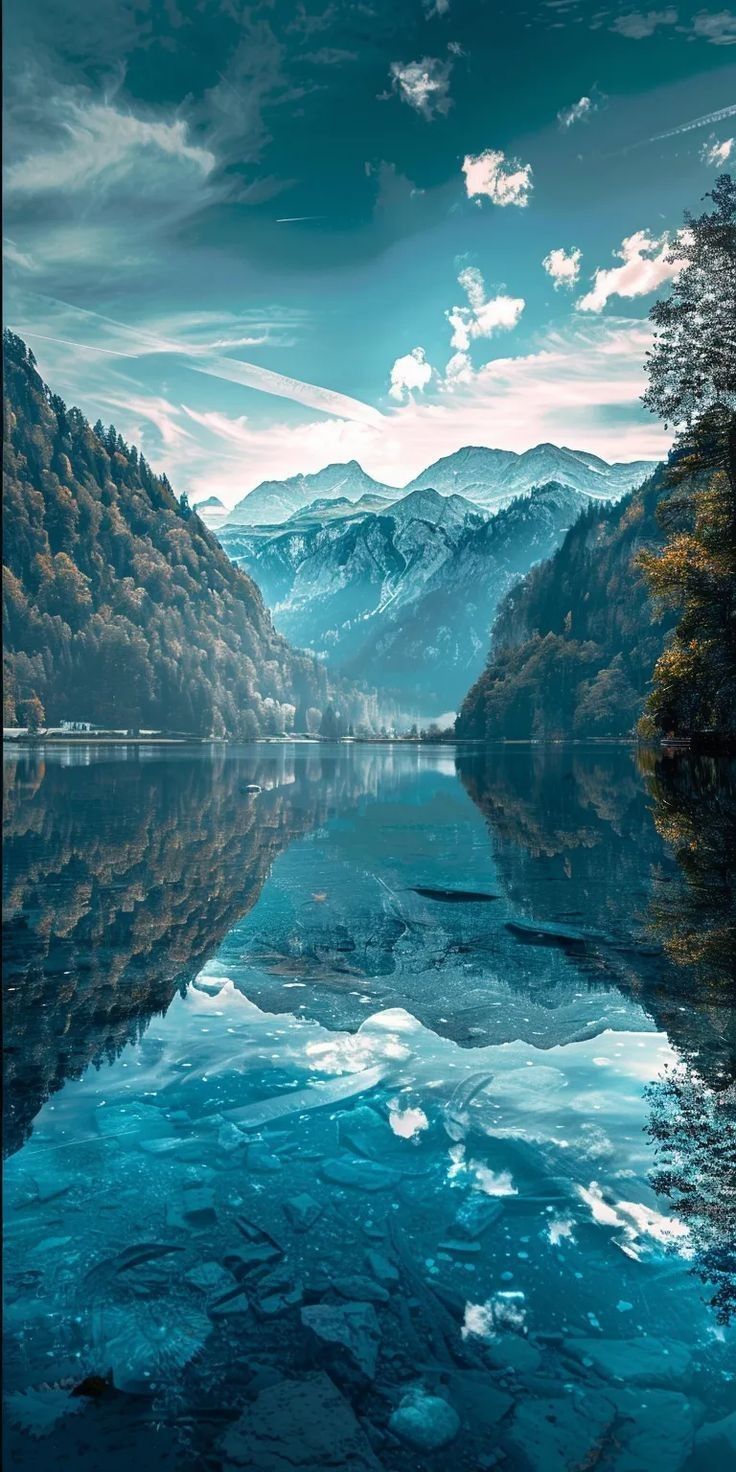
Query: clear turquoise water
{"points": [[220, 1003]]}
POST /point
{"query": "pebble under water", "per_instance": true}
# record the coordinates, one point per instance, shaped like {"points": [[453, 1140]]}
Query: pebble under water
{"points": [[336, 1111]]}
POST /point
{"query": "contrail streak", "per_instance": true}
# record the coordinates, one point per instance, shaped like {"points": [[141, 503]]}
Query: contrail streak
{"points": [[709, 119]]}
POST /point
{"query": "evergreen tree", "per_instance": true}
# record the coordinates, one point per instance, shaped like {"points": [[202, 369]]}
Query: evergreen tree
{"points": [[692, 385]]}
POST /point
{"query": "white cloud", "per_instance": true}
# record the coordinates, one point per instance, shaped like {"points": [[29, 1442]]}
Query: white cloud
{"points": [[484, 315], [459, 369], [715, 153], [410, 374], [563, 266], [424, 85], [99, 142], [638, 24], [718, 28], [577, 112], [502, 180], [436, 8], [645, 265]]}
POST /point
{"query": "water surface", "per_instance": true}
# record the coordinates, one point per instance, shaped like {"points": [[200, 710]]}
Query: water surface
{"points": [[335, 1110]]}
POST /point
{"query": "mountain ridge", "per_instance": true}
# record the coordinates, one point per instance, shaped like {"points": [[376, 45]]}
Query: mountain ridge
{"points": [[489, 477]]}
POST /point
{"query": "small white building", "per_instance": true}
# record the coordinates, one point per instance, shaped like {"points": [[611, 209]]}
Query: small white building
{"points": [[77, 726]]}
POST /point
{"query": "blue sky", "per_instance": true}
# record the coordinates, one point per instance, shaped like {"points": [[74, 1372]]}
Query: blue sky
{"points": [[260, 238]]}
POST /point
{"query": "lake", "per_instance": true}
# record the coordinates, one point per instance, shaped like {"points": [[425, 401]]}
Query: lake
{"points": [[379, 1117]]}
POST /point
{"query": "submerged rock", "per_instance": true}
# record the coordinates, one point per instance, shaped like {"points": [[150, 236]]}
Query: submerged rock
{"points": [[302, 1211], [425, 1421], [656, 1429], [362, 1175], [635, 1361], [304, 1423], [558, 1433], [715, 1444], [346, 1335], [356, 1286], [382, 1268]]}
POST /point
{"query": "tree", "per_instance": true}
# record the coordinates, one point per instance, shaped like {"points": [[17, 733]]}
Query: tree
{"points": [[692, 365], [32, 714], [328, 727], [692, 385]]}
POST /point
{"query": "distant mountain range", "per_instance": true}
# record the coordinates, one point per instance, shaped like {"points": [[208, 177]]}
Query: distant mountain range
{"points": [[490, 478], [402, 594]]}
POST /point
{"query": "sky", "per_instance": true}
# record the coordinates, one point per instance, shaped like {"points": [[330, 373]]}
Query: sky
{"points": [[263, 238]]}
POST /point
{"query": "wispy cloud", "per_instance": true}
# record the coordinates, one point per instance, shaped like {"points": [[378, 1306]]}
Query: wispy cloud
{"points": [[717, 154], [99, 143], [580, 385], [197, 347], [424, 85], [638, 25], [718, 27], [578, 112], [493, 176], [327, 400]]}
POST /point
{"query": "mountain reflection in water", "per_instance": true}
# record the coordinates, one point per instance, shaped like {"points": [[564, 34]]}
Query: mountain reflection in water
{"points": [[298, 1148]]}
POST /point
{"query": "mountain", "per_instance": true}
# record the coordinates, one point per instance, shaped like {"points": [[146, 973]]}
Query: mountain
{"points": [[212, 512], [403, 597], [119, 606], [276, 500], [573, 646], [470, 472], [489, 478]]}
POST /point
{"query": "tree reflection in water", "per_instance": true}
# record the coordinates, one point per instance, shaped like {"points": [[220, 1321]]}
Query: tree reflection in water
{"points": [[643, 845]]}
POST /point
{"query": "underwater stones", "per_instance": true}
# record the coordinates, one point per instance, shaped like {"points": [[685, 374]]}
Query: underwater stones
{"points": [[232, 1305], [302, 1423], [361, 1175], [302, 1211], [209, 1277], [244, 1260], [560, 1432], [346, 1336], [198, 1207], [512, 1352], [260, 1159], [635, 1361], [355, 1285], [715, 1444], [476, 1399], [276, 1294], [229, 1137], [382, 1268], [425, 1421], [656, 1429]]}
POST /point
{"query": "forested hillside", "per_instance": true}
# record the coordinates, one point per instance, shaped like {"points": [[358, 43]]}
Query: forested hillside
{"points": [[575, 643], [119, 606]]}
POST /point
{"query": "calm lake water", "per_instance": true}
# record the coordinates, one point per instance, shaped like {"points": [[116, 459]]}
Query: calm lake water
{"points": [[334, 1110]]}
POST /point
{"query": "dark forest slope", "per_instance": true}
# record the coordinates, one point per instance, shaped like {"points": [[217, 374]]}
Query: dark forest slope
{"points": [[575, 642], [119, 606]]}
